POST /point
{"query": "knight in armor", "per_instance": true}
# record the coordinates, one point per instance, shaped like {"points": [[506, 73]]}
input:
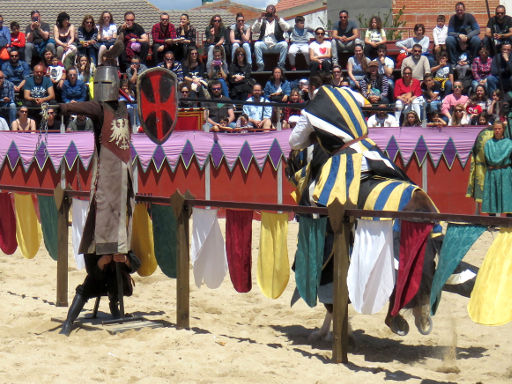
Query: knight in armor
{"points": [[107, 232]]}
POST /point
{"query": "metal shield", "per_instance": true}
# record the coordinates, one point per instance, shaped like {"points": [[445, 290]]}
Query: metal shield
{"points": [[157, 103]]}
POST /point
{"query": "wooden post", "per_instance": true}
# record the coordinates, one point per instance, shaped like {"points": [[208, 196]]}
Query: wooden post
{"points": [[62, 203], [341, 229], [182, 212]]}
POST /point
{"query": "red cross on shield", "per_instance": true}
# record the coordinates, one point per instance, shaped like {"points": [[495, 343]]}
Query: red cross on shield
{"points": [[157, 103]]}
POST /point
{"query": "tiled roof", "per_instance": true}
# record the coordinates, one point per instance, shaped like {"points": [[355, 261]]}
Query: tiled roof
{"points": [[287, 4], [146, 14], [233, 7]]}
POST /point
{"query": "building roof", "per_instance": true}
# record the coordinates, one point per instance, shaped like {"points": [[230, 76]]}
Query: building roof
{"points": [[146, 14], [287, 4], [234, 8]]}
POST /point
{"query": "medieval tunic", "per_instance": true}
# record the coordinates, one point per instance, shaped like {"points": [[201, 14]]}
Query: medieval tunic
{"points": [[109, 219], [478, 166], [498, 178]]}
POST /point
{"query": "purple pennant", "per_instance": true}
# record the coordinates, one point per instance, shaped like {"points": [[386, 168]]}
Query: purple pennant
{"points": [[158, 157], [216, 154], [449, 152], [245, 156], [13, 154], [187, 154], [421, 150], [41, 155], [275, 153], [71, 154], [133, 152], [392, 148]]}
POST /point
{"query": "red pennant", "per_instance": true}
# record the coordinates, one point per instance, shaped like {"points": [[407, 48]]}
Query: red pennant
{"points": [[8, 242], [238, 248]]}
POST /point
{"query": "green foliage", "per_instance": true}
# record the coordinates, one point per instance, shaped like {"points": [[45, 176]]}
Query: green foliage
{"points": [[389, 21]]}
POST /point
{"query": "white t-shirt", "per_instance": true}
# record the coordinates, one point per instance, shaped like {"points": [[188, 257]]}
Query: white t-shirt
{"points": [[320, 49], [3, 125], [107, 32]]}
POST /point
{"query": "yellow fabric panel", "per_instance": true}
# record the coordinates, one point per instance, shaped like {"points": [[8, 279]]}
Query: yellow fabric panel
{"points": [[28, 229], [142, 240], [273, 266], [301, 180], [491, 300]]}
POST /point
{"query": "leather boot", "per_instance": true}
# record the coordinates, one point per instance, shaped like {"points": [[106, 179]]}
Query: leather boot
{"points": [[76, 306], [113, 304]]}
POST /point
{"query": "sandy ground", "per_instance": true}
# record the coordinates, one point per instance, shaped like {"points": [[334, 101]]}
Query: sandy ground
{"points": [[234, 338]]}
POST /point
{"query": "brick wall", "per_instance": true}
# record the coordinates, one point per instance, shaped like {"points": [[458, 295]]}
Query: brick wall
{"points": [[426, 11]]}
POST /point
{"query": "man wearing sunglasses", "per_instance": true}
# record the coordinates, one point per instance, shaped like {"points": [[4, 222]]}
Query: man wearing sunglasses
{"points": [[16, 70], [418, 62], [164, 36], [498, 30], [344, 37], [136, 40]]}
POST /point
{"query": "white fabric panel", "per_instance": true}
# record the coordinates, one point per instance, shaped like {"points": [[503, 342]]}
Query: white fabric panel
{"points": [[371, 275], [208, 250], [78, 216]]}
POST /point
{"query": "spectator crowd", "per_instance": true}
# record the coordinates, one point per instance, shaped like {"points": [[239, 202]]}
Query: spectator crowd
{"points": [[462, 77]]}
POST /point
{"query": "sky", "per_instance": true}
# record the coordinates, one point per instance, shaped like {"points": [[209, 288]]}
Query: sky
{"points": [[169, 4]]}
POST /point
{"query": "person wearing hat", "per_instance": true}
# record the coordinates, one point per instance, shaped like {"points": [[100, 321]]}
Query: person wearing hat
{"points": [[374, 86]]}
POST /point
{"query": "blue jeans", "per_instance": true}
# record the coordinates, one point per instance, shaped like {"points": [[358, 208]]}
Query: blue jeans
{"points": [[452, 45], [260, 47], [247, 49], [10, 110]]}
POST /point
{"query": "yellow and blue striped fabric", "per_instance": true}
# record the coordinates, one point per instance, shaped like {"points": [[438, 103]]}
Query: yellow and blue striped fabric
{"points": [[340, 178], [389, 195]]}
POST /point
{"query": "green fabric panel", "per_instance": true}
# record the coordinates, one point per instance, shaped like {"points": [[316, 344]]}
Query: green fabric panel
{"points": [[309, 257], [165, 230], [457, 241], [49, 218]]}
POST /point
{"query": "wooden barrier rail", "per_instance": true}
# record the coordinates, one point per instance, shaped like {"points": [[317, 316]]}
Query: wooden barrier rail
{"points": [[340, 218]]}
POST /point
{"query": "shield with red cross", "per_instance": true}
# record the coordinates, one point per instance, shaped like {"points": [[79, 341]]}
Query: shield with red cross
{"points": [[157, 103]]}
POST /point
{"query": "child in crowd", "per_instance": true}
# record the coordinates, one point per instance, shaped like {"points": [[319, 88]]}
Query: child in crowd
{"points": [[299, 38], [411, 120], [56, 72], [290, 115], [435, 120], [440, 33], [443, 74], [462, 67]]}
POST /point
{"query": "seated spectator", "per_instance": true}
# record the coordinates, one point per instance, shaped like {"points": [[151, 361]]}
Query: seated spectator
{"points": [[435, 120], [411, 120], [304, 89], [374, 86], [38, 37], [240, 76], [38, 88], [56, 72], [443, 74], [481, 119], [277, 87], [64, 34], [107, 34], [439, 34], [431, 91], [194, 72], [240, 36], [133, 72], [215, 37], [52, 123], [73, 89], [463, 31], [453, 99], [459, 117], [418, 62], [345, 37], [290, 115], [185, 37], [501, 70], [127, 95], [221, 110], [186, 93], [481, 68], [382, 119], [299, 38], [496, 106], [5, 34], [478, 103], [18, 40], [356, 67], [23, 122], [136, 40], [320, 53], [407, 94], [3, 125], [88, 39], [271, 30], [462, 68], [386, 65], [171, 64], [86, 71], [7, 102], [337, 76], [242, 124], [374, 37], [218, 69], [164, 36], [81, 123], [259, 116], [498, 30], [407, 45], [16, 70]]}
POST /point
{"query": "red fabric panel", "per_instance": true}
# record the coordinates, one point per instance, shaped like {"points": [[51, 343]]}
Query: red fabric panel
{"points": [[8, 242], [413, 242], [238, 248]]}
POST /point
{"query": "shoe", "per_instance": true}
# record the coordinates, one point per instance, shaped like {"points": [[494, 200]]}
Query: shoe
{"points": [[74, 311], [294, 68], [259, 68]]}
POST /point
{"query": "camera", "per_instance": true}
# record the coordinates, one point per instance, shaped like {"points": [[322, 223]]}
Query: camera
{"points": [[217, 63], [35, 19], [268, 14]]}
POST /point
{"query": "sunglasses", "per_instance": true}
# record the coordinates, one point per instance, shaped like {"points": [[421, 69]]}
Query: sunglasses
{"points": [[89, 22], [500, 13], [164, 19], [320, 33], [216, 21], [129, 19], [216, 89], [23, 111], [417, 51], [457, 86], [407, 73]]}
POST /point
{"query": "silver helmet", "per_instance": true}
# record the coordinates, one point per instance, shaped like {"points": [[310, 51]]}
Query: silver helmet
{"points": [[106, 83]]}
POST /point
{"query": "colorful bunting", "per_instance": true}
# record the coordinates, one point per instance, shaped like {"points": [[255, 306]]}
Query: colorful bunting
{"points": [[49, 218], [142, 240], [8, 243], [164, 237], [28, 230]]}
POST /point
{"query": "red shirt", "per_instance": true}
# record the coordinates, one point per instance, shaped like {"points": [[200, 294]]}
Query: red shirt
{"points": [[159, 35], [401, 88]]}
